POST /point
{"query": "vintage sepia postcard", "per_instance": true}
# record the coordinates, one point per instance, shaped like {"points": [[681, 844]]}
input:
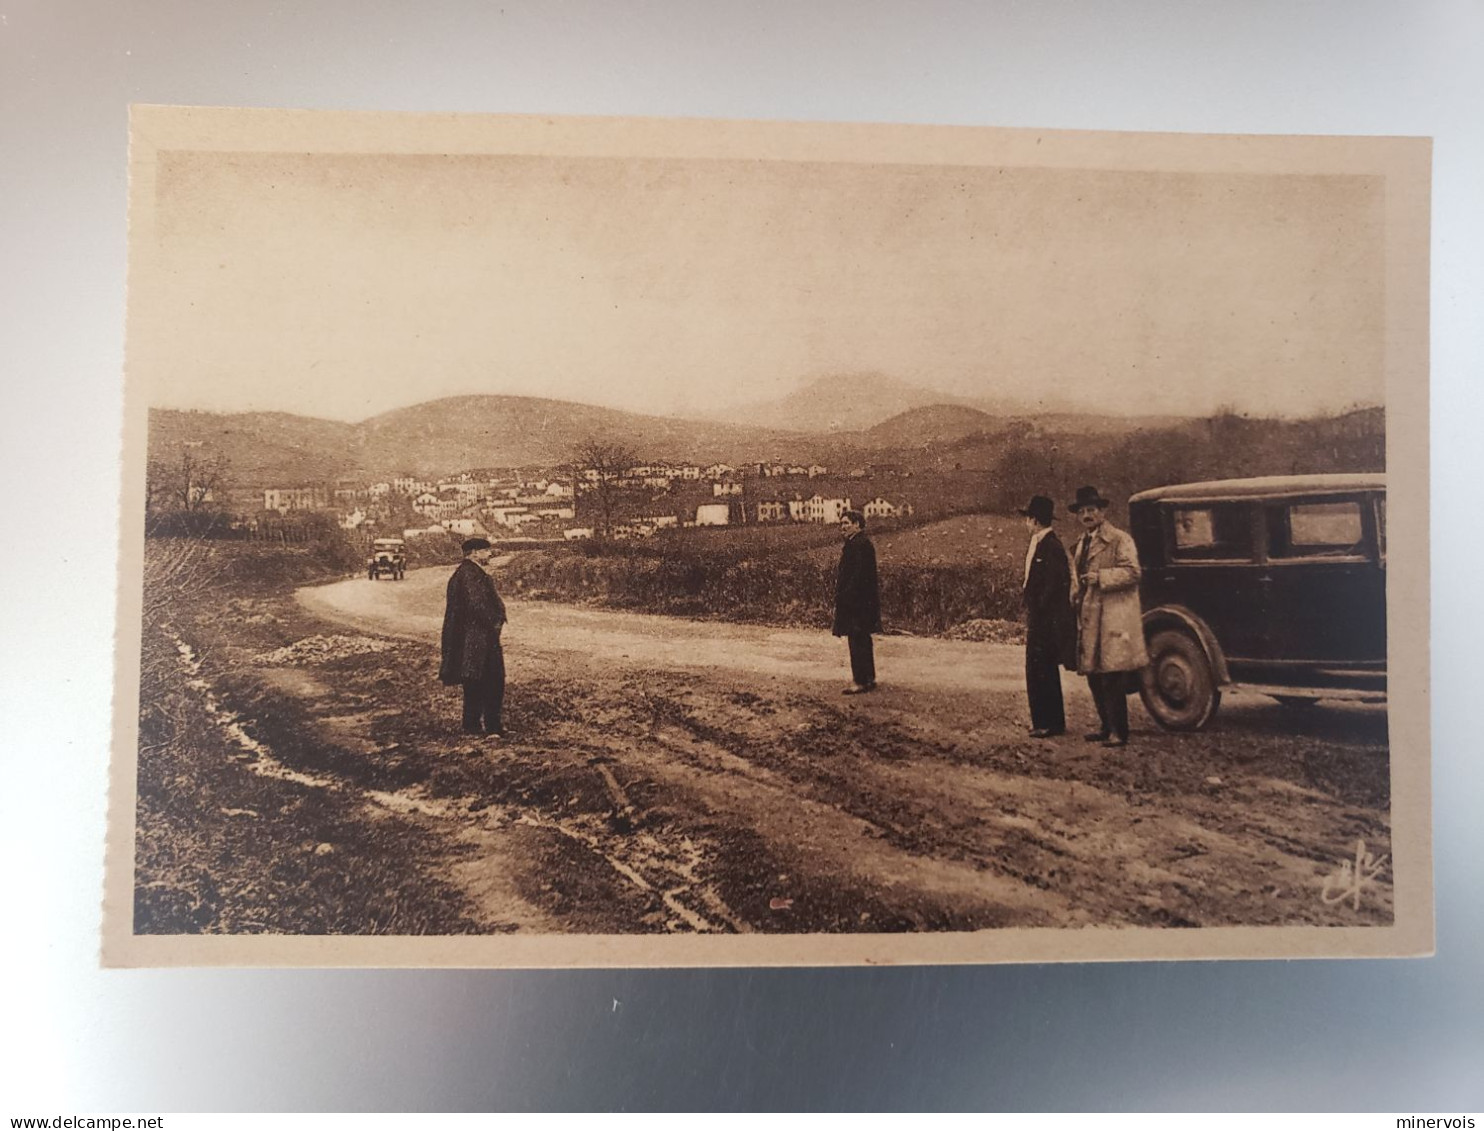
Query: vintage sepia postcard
{"points": [[571, 542]]}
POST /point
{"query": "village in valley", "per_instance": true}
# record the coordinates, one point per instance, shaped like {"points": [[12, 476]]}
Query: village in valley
{"points": [[578, 502]]}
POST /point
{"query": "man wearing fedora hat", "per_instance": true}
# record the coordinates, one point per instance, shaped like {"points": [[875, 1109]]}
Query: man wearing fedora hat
{"points": [[1050, 634], [1110, 621]]}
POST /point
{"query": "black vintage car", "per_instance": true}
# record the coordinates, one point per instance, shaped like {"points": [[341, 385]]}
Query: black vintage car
{"points": [[1277, 585], [388, 559]]}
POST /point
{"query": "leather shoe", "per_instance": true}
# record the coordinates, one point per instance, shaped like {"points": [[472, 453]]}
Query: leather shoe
{"points": [[1046, 732], [1116, 742], [1095, 736]]}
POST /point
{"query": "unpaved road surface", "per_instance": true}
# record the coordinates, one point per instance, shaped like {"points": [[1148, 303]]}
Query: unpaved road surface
{"points": [[414, 608], [671, 775]]}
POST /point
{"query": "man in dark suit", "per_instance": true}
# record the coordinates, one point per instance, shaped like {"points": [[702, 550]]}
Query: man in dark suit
{"points": [[472, 621], [858, 601], [1050, 632]]}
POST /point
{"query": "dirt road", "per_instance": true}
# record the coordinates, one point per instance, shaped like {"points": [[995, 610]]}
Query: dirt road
{"points": [[414, 608], [669, 775]]}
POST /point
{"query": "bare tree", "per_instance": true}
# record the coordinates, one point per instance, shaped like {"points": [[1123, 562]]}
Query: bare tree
{"points": [[186, 483], [597, 467]]}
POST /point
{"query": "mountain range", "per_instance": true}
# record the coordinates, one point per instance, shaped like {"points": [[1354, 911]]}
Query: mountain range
{"points": [[855, 402], [456, 433]]}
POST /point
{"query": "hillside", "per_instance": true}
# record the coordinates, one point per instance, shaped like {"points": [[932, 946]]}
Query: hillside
{"points": [[265, 449], [842, 403], [262, 448], [444, 436], [849, 404], [931, 425]]}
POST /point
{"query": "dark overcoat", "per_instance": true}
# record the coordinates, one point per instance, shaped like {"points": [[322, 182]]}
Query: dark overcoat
{"points": [[1050, 623], [857, 595], [472, 620]]}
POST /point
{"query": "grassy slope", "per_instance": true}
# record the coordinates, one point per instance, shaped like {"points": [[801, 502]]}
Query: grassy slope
{"points": [[220, 848]]}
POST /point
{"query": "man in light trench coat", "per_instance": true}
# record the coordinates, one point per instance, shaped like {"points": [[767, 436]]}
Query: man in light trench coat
{"points": [[1110, 620]]}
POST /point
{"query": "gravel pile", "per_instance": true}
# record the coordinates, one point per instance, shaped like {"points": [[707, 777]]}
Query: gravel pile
{"points": [[988, 632], [317, 649]]}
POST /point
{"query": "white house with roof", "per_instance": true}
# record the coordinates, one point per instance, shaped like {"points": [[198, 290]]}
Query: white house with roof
{"points": [[713, 514], [285, 499], [881, 508], [819, 509], [466, 527], [511, 516], [772, 510]]}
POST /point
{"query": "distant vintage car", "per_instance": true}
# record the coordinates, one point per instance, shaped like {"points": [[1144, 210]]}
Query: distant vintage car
{"points": [[388, 559], [1276, 585]]}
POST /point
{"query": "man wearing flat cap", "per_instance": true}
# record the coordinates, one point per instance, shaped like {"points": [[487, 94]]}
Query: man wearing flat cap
{"points": [[1050, 633], [1110, 621], [472, 656]]}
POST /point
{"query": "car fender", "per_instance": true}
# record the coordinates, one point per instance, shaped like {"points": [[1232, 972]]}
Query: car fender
{"points": [[1179, 617]]}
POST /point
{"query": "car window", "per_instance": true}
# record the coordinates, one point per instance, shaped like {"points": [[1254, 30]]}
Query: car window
{"points": [[1315, 530], [1219, 531]]}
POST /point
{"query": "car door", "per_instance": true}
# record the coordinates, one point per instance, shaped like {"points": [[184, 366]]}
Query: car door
{"points": [[1326, 580], [1212, 570]]}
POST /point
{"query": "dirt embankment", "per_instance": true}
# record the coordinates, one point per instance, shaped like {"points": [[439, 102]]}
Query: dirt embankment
{"points": [[668, 776]]}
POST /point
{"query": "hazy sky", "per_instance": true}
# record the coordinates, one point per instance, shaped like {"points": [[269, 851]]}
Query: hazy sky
{"points": [[343, 286]]}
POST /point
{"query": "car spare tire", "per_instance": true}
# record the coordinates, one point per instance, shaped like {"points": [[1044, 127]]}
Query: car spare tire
{"points": [[1178, 687]]}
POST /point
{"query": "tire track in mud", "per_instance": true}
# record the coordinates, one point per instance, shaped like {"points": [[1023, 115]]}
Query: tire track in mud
{"points": [[709, 800], [1059, 842], [256, 755], [667, 873], [821, 818]]}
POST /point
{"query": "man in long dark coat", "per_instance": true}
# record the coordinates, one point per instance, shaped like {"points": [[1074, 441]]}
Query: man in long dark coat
{"points": [[858, 601], [472, 656], [1050, 631]]}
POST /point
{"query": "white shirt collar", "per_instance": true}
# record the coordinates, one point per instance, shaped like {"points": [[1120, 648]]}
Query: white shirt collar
{"points": [[1030, 552]]}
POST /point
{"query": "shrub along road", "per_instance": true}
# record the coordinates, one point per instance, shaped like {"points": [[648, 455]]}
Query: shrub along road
{"points": [[673, 775]]}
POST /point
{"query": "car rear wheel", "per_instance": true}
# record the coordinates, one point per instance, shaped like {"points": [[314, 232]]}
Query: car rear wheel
{"points": [[1178, 687]]}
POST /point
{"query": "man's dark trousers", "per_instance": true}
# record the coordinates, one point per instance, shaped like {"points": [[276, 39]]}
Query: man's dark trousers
{"points": [[862, 658], [484, 699], [1110, 693], [1043, 690], [1050, 635]]}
